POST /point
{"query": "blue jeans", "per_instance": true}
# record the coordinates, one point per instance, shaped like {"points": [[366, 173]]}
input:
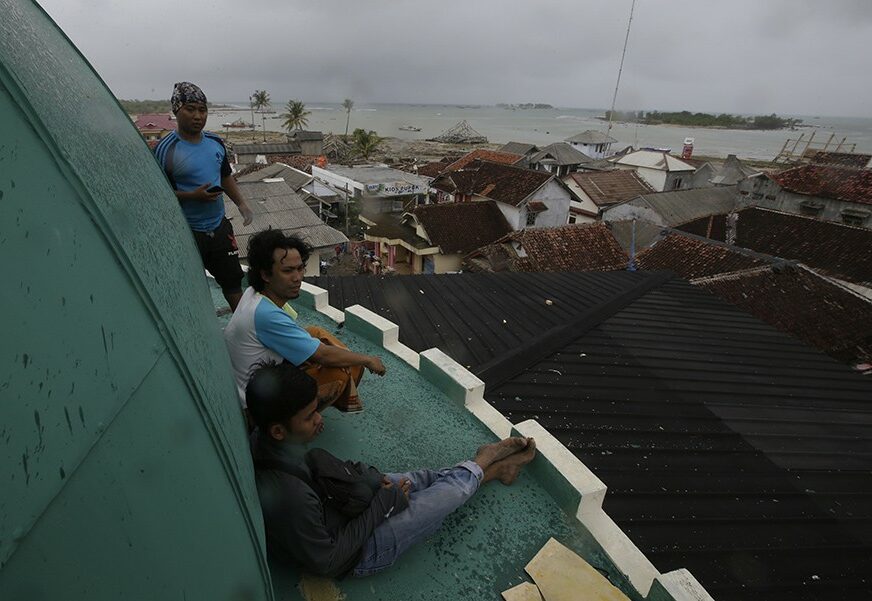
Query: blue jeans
{"points": [[434, 495]]}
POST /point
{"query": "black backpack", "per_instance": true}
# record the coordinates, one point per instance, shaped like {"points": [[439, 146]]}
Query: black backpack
{"points": [[346, 486]]}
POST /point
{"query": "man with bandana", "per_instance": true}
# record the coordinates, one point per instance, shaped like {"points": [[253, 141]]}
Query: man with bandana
{"points": [[195, 162]]}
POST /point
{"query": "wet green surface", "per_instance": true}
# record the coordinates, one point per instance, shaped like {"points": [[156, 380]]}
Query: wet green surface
{"points": [[483, 547]]}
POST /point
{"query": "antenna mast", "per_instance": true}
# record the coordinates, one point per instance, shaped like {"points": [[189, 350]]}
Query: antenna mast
{"points": [[621, 67]]}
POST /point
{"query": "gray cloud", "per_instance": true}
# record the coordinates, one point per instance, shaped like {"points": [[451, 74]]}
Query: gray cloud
{"points": [[745, 56]]}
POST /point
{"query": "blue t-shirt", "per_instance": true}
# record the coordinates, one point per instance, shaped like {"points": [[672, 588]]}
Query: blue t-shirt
{"points": [[188, 166]]}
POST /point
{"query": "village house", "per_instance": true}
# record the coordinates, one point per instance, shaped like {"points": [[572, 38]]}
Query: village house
{"points": [[526, 197], [850, 160], [377, 188], [588, 247], [276, 205], [310, 142], [434, 238], [670, 209], [730, 173], [480, 154], [597, 190], [325, 201], [661, 170], [246, 154], [839, 194], [155, 126], [559, 158], [594, 144]]}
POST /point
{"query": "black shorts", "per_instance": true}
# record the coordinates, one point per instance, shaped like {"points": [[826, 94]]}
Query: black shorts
{"points": [[220, 256]]}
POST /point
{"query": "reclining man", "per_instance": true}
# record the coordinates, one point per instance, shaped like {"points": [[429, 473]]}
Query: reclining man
{"points": [[264, 329], [309, 528]]}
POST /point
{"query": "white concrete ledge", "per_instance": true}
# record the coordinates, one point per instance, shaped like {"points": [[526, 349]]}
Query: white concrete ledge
{"points": [[682, 586], [381, 331], [320, 301], [623, 552], [591, 489]]}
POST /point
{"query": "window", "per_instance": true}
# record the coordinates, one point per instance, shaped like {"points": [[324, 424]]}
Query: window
{"points": [[676, 183], [572, 218], [531, 217], [810, 208], [854, 217]]}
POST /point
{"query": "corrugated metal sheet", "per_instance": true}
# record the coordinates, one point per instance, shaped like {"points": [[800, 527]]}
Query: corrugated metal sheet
{"points": [[729, 448], [124, 462], [677, 207]]}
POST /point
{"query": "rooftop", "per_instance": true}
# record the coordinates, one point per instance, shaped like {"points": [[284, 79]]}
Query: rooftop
{"points": [[278, 206], [289, 148], [676, 207], [461, 227], [836, 250], [842, 159], [161, 121], [838, 183], [504, 183], [295, 178], [376, 174], [520, 148], [559, 153], [728, 446], [428, 412], [591, 137], [480, 154], [652, 159], [610, 187], [588, 247]]}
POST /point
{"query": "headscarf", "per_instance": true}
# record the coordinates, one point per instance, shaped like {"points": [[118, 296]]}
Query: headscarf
{"points": [[185, 92]]}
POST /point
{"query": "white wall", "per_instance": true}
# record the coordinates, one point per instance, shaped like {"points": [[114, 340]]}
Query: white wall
{"points": [[557, 199]]}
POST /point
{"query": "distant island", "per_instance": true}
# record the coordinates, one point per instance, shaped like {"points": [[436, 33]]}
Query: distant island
{"points": [[724, 120], [142, 107], [525, 105]]}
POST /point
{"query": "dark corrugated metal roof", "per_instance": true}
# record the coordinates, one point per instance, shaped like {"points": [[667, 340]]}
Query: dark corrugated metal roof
{"points": [[728, 448]]}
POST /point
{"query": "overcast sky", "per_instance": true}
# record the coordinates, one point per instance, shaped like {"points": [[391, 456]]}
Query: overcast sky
{"points": [[743, 56]]}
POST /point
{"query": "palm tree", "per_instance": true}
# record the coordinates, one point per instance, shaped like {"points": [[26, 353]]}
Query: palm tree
{"points": [[347, 104], [295, 117], [259, 103], [365, 142]]}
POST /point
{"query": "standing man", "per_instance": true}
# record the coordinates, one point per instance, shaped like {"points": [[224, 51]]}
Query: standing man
{"points": [[195, 162]]}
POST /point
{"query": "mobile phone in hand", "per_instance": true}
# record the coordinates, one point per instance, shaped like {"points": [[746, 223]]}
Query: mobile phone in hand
{"points": [[214, 189]]}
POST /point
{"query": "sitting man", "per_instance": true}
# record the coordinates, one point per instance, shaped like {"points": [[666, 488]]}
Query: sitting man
{"points": [[308, 527], [264, 329]]}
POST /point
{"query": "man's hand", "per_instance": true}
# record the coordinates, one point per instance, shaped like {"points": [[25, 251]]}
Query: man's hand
{"points": [[202, 195], [246, 212], [405, 485], [375, 365]]}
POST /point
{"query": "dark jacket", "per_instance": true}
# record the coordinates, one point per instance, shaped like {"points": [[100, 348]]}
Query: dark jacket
{"points": [[303, 530]]}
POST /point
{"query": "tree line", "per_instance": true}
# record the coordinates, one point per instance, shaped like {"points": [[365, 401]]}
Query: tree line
{"points": [[688, 118]]}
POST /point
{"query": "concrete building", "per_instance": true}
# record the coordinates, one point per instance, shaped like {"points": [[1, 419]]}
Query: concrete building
{"points": [[594, 144], [378, 188], [839, 194], [661, 170]]}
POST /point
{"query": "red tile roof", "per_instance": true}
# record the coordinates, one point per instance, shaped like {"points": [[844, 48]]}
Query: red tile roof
{"points": [[461, 227], [610, 187], [802, 304], [155, 121], [837, 250], [839, 183], [432, 169], [589, 247], [507, 184], [494, 156], [692, 258], [841, 159]]}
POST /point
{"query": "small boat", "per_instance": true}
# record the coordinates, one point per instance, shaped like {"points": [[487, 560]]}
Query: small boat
{"points": [[409, 128]]}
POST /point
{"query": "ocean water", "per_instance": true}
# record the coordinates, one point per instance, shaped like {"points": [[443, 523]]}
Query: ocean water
{"points": [[544, 126]]}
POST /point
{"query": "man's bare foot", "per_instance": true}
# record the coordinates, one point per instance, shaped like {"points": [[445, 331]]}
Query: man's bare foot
{"points": [[506, 470], [489, 454]]}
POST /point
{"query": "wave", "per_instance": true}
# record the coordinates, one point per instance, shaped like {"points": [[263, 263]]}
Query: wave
{"points": [[573, 117]]}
